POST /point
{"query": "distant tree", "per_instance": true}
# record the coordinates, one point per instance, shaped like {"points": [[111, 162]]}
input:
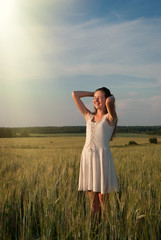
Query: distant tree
{"points": [[24, 133], [150, 130], [153, 140], [5, 133], [132, 143]]}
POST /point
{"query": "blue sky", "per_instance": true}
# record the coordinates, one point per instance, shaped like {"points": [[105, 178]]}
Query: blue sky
{"points": [[51, 47]]}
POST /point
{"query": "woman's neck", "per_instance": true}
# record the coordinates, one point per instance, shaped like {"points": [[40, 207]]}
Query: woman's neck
{"points": [[99, 113]]}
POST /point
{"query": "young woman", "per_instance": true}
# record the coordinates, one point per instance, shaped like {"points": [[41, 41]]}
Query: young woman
{"points": [[97, 172]]}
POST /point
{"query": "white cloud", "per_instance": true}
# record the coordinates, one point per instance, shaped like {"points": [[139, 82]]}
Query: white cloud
{"points": [[129, 48], [139, 111]]}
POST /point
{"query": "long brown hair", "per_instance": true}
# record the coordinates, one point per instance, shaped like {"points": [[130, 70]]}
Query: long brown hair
{"points": [[107, 94]]}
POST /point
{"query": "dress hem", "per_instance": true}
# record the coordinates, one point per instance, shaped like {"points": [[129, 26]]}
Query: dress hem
{"points": [[82, 190]]}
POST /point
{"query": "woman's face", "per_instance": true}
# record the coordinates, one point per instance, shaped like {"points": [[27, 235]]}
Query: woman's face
{"points": [[99, 100]]}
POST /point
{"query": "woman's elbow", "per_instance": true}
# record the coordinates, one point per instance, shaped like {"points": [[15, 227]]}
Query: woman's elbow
{"points": [[73, 93]]}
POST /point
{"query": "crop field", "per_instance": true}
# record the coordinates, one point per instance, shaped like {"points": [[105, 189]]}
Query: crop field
{"points": [[39, 197]]}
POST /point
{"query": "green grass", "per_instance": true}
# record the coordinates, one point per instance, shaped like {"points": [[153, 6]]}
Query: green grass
{"points": [[131, 135], [39, 197], [57, 135]]}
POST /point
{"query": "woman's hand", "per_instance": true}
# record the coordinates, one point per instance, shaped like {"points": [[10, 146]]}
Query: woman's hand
{"points": [[110, 99]]}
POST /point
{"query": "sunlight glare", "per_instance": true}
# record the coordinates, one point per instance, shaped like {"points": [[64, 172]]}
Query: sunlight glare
{"points": [[15, 41], [7, 13]]}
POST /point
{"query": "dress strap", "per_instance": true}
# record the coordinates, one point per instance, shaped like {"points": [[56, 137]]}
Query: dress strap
{"points": [[91, 116]]}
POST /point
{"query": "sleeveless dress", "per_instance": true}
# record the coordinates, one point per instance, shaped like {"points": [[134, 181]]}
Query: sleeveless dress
{"points": [[97, 170]]}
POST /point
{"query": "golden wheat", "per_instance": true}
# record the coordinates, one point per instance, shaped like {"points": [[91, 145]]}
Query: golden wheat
{"points": [[39, 197]]}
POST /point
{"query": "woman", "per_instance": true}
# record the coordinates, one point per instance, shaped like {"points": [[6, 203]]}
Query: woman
{"points": [[97, 172]]}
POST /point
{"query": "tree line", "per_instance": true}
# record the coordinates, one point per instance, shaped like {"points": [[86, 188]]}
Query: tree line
{"points": [[26, 131]]}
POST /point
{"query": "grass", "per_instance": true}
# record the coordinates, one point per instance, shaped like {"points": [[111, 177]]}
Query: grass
{"points": [[39, 197]]}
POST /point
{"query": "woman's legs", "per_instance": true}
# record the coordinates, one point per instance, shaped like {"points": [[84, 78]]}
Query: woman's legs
{"points": [[104, 200], [94, 201]]}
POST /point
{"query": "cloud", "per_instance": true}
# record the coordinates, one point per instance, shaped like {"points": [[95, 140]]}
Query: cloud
{"points": [[139, 111], [130, 48]]}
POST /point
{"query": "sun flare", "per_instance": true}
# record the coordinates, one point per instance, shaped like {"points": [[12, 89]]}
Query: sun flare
{"points": [[7, 14], [15, 41]]}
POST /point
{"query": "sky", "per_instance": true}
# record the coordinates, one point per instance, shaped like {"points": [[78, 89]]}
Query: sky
{"points": [[48, 48]]}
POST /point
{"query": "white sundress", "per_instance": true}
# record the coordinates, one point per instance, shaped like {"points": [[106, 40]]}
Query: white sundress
{"points": [[97, 170]]}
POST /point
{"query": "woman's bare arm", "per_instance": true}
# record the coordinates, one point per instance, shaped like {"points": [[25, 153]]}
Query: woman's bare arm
{"points": [[77, 95], [110, 105]]}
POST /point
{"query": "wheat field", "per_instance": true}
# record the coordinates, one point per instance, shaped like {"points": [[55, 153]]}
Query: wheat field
{"points": [[39, 197]]}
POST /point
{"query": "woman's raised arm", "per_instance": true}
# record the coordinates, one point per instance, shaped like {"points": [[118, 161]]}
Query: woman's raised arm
{"points": [[77, 95], [110, 105]]}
